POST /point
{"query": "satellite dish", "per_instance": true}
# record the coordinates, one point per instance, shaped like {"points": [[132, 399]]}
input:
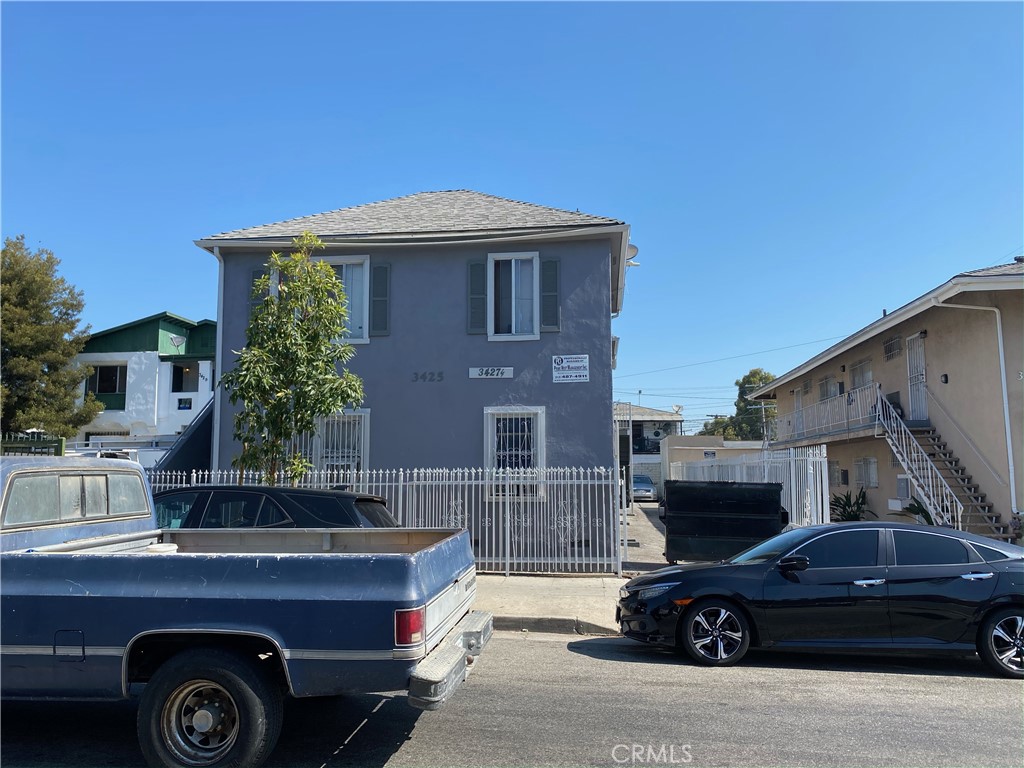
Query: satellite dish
{"points": [[178, 342], [677, 409]]}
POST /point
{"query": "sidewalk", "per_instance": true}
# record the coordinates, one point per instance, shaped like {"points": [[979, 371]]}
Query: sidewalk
{"points": [[581, 605]]}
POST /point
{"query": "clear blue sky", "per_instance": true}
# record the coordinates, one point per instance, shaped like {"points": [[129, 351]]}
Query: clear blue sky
{"points": [[788, 169]]}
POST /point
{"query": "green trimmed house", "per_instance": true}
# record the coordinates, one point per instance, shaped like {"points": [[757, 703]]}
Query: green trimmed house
{"points": [[154, 376]]}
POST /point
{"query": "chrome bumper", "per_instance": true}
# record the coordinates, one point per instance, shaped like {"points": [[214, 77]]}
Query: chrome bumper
{"points": [[442, 671]]}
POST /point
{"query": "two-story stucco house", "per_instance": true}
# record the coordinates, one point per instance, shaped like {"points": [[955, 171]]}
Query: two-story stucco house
{"points": [[924, 403], [153, 376], [482, 329]]}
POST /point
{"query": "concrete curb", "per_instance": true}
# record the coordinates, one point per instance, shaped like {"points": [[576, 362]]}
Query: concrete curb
{"points": [[552, 624]]}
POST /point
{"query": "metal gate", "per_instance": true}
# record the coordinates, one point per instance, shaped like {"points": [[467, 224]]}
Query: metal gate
{"points": [[916, 378]]}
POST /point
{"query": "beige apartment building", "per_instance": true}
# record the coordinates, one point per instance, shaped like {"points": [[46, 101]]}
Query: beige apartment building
{"points": [[924, 403]]}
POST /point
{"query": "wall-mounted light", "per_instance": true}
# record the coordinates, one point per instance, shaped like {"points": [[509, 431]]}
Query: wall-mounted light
{"points": [[842, 368], [944, 378]]}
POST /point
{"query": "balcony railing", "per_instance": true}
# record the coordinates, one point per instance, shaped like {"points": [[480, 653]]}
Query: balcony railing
{"points": [[856, 409]]}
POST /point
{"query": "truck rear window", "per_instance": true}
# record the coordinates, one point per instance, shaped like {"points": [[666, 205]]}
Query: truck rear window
{"points": [[37, 498]]}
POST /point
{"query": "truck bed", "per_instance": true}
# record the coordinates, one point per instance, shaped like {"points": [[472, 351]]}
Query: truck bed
{"points": [[279, 541]]}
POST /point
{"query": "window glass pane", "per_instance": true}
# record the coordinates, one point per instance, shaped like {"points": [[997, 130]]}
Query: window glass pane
{"points": [[523, 296], [171, 511], [860, 373], [108, 379], [927, 549], [354, 288], [503, 296], [127, 494], [271, 515], [352, 277], [232, 510], [32, 499], [375, 515], [990, 555], [185, 377], [325, 509], [95, 495], [848, 549], [71, 497], [514, 444]]}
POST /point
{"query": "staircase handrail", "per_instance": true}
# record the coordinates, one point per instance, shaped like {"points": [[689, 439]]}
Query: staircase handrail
{"points": [[936, 494]]}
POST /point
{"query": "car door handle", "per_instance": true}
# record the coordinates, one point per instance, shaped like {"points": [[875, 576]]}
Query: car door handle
{"points": [[869, 582], [976, 576]]}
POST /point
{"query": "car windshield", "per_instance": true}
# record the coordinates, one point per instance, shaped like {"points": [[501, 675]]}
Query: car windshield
{"points": [[642, 480], [773, 547]]}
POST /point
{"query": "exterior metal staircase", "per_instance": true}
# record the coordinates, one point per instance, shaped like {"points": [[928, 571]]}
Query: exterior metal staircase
{"points": [[930, 486], [978, 515], [940, 481]]}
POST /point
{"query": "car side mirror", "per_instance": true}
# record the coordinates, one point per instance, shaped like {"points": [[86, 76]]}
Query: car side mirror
{"points": [[794, 563]]}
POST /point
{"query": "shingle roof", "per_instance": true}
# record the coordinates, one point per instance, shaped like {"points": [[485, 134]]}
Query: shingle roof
{"points": [[451, 211], [1013, 268]]}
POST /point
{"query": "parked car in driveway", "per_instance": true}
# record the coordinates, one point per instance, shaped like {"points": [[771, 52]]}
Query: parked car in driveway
{"points": [[261, 506], [861, 586], [644, 488]]}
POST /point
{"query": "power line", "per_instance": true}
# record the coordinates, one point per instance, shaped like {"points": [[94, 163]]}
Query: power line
{"points": [[733, 357]]}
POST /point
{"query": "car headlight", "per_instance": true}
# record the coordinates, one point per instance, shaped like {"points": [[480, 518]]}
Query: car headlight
{"points": [[623, 593], [658, 589]]}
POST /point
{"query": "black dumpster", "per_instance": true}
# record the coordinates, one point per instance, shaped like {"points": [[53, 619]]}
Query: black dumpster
{"points": [[713, 521]]}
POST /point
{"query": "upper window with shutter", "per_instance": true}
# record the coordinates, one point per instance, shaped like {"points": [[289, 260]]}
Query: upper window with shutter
{"points": [[513, 296], [353, 271]]}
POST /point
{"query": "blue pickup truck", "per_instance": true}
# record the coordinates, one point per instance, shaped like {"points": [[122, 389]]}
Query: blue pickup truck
{"points": [[211, 629]]}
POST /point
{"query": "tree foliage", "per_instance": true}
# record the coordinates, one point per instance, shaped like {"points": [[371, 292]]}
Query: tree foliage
{"points": [[747, 423], [287, 374], [40, 384]]}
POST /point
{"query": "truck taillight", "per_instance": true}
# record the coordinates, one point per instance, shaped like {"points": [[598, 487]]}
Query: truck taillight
{"points": [[409, 626]]}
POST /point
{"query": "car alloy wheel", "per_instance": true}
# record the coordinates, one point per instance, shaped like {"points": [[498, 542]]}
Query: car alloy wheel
{"points": [[716, 633], [1002, 642]]}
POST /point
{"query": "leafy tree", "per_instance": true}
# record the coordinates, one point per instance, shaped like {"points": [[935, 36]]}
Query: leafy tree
{"points": [[40, 383], [748, 422], [287, 374]]}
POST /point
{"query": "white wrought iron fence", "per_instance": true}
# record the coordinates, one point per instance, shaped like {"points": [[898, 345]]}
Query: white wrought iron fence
{"points": [[559, 520], [803, 473]]}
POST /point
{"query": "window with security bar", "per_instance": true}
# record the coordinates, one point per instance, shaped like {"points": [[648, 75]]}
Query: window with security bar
{"points": [[893, 347], [338, 443], [515, 437]]}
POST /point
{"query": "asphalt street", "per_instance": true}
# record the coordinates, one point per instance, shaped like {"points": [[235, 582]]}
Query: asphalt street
{"points": [[558, 700]]}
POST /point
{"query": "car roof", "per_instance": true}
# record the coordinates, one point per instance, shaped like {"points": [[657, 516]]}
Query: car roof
{"points": [[967, 535], [271, 490]]}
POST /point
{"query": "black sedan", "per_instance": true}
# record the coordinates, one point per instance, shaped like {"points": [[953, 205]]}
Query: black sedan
{"points": [[258, 506], [859, 586]]}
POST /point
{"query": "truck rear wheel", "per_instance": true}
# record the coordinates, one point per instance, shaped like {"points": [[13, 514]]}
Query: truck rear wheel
{"points": [[206, 708]]}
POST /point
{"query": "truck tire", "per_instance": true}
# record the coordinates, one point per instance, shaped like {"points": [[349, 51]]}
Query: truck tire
{"points": [[208, 707]]}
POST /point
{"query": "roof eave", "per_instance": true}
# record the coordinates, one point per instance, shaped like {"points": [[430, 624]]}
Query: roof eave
{"points": [[414, 238], [946, 291]]}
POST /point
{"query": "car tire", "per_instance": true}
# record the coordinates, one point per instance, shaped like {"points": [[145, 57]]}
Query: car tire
{"points": [[1001, 642], [714, 633], [209, 709]]}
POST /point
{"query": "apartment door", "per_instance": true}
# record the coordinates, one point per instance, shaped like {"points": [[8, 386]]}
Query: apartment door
{"points": [[916, 378]]}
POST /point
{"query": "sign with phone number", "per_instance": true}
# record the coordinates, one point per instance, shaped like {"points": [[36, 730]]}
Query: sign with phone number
{"points": [[490, 373]]}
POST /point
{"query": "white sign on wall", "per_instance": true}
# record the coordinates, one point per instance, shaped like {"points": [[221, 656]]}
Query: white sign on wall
{"points": [[570, 368]]}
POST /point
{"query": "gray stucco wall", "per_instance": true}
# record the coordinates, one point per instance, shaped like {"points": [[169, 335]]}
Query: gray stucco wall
{"points": [[441, 423]]}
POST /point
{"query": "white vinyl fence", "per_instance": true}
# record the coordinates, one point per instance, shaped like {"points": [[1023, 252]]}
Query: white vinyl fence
{"points": [[522, 521], [803, 473]]}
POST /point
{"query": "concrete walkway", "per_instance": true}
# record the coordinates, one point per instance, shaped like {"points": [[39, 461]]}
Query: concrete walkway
{"points": [[582, 605]]}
